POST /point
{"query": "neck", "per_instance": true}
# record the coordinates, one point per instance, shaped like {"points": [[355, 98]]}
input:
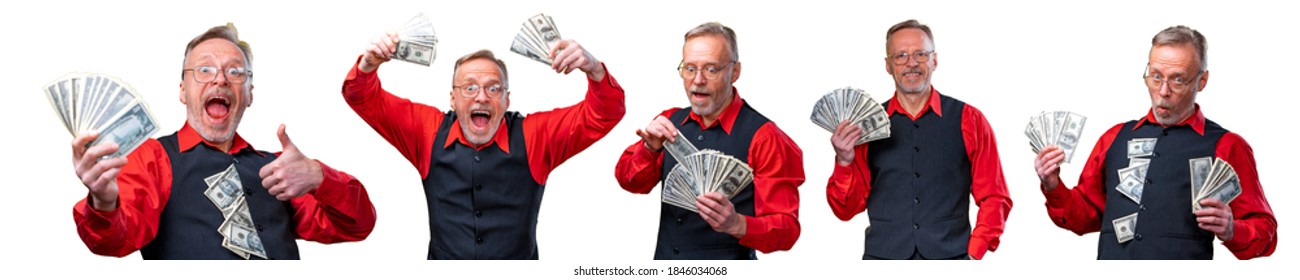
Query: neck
{"points": [[711, 118], [224, 146], [913, 102]]}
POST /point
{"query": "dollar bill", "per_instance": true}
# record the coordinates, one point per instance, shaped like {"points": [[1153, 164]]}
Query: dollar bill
{"points": [[415, 53], [703, 172], [680, 147], [224, 189], [536, 38], [857, 107], [1060, 128], [1222, 184], [417, 42], [1132, 182], [1141, 147], [129, 130], [1125, 227]]}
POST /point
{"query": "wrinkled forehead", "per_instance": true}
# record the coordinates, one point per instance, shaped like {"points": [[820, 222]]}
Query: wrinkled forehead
{"points": [[216, 52], [706, 49], [479, 70], [908, 40], [1181, 58]]}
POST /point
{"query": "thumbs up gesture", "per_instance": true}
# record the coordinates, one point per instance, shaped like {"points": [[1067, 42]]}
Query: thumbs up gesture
{"points": [[292, 174]]}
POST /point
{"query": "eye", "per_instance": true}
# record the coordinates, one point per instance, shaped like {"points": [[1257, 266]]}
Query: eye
{"points": [[471, 88], [691, 69], [1179, 80], [714, 69], [495, 89], [236, 72], [206, 70]]}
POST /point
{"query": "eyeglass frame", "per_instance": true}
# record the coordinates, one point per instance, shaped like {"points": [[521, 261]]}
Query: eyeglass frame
{"points": [[916, 55], [247, 77], [462, 89], [1163, 81], [682, 66]]}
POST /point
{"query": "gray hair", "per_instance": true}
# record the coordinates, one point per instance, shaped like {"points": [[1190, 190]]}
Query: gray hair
{"points": [[485, 54], [1183, 35], [717, 29], [226, 32]]}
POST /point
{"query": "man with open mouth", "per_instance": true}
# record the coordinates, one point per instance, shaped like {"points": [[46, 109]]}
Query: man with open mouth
{"points": [[484, 168], [1161, 222], [916, 185], [205, 193], [764, 215]]}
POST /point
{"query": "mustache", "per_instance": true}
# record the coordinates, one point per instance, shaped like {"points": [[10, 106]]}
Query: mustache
{"points": [[700, 89]]}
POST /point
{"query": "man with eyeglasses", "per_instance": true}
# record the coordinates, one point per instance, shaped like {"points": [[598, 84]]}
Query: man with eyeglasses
{"points": [[914, 184], [1167, 227], [157, 199], [484, 168], [764, 216]]}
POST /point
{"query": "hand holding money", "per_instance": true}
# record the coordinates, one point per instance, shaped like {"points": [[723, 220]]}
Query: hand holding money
{"points": [[658, 131], [853, 105], [379, 51], [291, 174], [568, 55], [1215, 216], [1048, 165], [99, 176], [844, 139], [717, 210]]}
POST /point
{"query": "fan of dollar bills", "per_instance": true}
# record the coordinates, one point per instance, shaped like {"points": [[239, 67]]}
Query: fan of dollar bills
{"points": [[227, 194], [417, 42], [1214, 179], [89, 102], [1058, 128], [536, 38], [702, 171], [856, 106]]}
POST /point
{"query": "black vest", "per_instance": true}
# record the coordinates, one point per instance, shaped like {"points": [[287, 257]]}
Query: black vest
{"points": [[683, 235], [920, 187], [482, 204], [187, 228], [1166, 227]]}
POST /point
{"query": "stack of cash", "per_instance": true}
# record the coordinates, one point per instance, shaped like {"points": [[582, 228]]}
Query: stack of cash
{"points": [[417, 43], [853, 105], [226, 191], [536, 38], [701, 171], [1055, 128], [1213, 180], [89, 102]]}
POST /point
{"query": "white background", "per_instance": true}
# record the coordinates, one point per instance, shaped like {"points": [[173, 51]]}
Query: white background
{"points": [[1009, 59]]}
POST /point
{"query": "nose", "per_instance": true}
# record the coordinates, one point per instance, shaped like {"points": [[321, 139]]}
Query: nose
{"points": [[481, 96], [1164, 90], [699, 78], [220, 79]]}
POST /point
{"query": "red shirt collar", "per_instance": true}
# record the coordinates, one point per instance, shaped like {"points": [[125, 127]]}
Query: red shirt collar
{"points": [[1196, 121], [187, 138], [933, 105], [501, 139], [728, 116]]}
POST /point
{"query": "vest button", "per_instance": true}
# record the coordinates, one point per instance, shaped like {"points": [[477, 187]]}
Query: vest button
{"points": [[477, 159], [916, 125], [248, 191], [478, 240], [259, 227], [918, 174], [675, 251], [1137, 236], [1142, 207], [916, 200], [700, 137], [916, 226], [918, 149], [478, 187], [679, 221], [478, 213]]}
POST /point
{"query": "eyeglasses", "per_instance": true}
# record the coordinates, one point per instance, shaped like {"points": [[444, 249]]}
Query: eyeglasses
{"points": [[1176, 84], [207, 74], [920, 56], [472, 90], [711, 72]]}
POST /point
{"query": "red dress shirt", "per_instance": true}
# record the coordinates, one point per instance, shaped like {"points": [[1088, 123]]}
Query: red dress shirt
{"points": [[778, 171], [848, 187], [338, 210], [1254, 228], [551, 137]]}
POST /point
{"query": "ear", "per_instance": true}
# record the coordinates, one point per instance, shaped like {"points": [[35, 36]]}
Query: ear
{"points": [[934, 61], [889, 67], [250, 96], [1205, 78], [507, 100], [181, 96], [735, 72], [451, 97]]}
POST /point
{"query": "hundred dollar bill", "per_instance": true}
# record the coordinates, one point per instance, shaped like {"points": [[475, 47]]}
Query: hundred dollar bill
{"points": [[1141, 147], [1125, 227], [129, 130]]}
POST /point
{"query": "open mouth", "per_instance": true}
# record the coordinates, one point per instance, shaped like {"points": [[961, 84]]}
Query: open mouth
{"points": [[699, 95], [217, 107], [480, 118]]}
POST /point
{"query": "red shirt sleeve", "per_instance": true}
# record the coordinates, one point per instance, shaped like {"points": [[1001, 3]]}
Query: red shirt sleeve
{"points": [[778, 172], [1079, 209], [408, 126], [143, 185], [988, 185], [1254, 227], [848, 187], [338, 210], [557, 135], [638, 169]]}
